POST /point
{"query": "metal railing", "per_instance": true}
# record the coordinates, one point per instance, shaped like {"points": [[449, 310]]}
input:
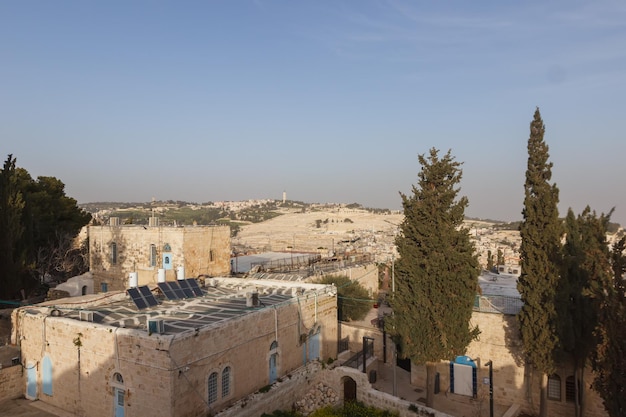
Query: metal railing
{"points": [[358, 360], [343, 345], [501, 304]]}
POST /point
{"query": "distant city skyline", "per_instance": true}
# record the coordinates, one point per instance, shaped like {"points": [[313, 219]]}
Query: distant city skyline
{"points": [[330, 101]]}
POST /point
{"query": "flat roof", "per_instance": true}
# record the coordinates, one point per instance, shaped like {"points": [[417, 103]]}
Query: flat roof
{"points": [[223, 299]]}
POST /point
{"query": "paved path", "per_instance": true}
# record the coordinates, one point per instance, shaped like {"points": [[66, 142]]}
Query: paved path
{"points": [[22, 407], [452, 404]]}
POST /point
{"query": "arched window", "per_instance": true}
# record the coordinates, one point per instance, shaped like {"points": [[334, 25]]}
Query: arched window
{"points": [[273, 362], [554, 387], [46, 383], [153, 255], [118, 379], [570, 389], [113, 253], [119, 394], [212, 387], [226, 382]]}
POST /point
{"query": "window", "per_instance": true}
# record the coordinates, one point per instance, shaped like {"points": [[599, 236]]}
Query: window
{"points": [[226, 382], [104, 287], [46, 383], [554, 387], [153, 255], [570, 389], [113, 253], [118, 379], [212, 387]]}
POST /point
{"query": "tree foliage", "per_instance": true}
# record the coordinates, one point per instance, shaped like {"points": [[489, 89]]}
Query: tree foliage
{"points": [[36, 219], [437, 274], [585, 272], [353, 300], [541, 232], [609, 359]]}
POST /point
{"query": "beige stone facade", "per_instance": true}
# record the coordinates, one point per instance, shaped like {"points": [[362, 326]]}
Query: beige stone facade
{"points": [[116, 251], [513, 383], [211, 351]]}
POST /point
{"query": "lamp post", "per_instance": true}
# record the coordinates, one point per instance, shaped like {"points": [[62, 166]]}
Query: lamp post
{"points": [[490, 365]]}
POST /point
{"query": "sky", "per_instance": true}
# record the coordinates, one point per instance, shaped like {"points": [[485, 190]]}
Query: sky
{"points": [[328, 101]]}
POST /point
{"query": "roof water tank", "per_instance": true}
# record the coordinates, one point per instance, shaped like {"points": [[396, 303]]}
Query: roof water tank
{"points": [[180, 273], [161, 275], [133, 280]]}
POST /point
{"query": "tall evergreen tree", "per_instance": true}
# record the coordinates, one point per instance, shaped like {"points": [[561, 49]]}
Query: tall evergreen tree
{"points": [[609, 359], [35, 218], [586, 269], [541, 232], [437, 273], [12, 253]]}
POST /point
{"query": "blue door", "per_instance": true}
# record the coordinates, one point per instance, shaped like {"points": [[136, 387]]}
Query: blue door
{"points": [[31, 381], [118, 398], [273, 372], [314, 347]]}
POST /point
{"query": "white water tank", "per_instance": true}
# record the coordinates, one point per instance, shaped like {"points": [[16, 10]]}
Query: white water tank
{"points": [[133, 280], [161, 275], [180, 273]]}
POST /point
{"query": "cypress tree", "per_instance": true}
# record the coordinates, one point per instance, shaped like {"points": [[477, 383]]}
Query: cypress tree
{"points": [[541, 232], [586, 270], [12, 254], [437, 273], [609, 359]]}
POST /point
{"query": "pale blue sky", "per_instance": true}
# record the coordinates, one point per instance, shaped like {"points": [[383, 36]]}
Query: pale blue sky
{"points": [[330, 101]]}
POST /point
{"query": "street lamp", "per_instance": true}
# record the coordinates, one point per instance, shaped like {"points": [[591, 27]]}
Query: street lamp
{"points": [[490, 365]]}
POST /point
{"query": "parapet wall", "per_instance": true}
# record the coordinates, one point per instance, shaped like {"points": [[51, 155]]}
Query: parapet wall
{"points": [[12, 383], [284, 393]]}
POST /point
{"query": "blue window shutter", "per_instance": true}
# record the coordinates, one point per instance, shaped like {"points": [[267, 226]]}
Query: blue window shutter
{"points": [[46, 380]]}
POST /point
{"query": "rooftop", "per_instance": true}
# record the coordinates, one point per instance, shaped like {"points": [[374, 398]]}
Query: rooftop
{"points": [[222, 299]]}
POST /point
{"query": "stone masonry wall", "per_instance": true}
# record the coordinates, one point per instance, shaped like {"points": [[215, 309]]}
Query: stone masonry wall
{"points": [[243, 345], [201, 250], [84, 358], [499, 342], [318, 384], [12, 382]]}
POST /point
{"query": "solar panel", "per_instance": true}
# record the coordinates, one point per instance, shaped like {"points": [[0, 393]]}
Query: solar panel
{"points": [[186, 288], [195, 287], [167, 290], [177, 290], [142, 297], [148, 296], [135, 295]]}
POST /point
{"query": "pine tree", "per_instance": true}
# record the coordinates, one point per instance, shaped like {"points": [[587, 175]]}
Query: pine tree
{"points": [[437, 273], [541, 232]]}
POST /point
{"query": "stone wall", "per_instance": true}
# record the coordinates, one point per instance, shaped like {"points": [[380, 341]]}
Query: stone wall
{"points": [[317, 385], [201, 250], [167, 375], [12, 382], [84, 357], [243, 345], [355, 333], [513, 383]]}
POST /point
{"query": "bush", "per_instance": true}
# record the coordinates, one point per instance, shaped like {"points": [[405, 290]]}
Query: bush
{"points": [[353, 300]]}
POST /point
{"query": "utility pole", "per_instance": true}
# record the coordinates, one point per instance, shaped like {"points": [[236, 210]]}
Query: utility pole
{"points": [[490, 365], [393, 273]]}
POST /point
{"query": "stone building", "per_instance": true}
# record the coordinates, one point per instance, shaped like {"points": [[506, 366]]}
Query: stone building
{"points": [[105, 355], [116, 251]]}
